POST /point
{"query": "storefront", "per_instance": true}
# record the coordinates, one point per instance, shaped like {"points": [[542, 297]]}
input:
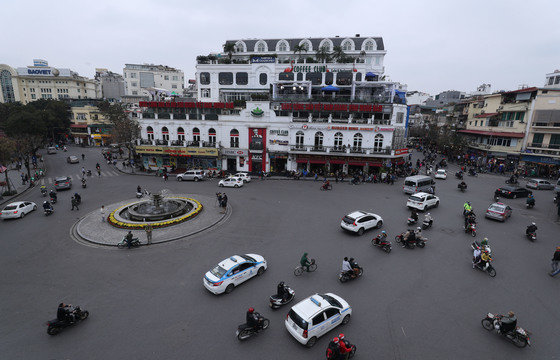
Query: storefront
{"points": [[234, 159], [278, 162], [158, 157], [257, 150], [542, 166]]}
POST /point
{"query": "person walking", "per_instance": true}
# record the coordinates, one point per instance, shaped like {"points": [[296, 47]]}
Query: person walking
{"points": [[149, 228], [224, 202], [102, 212], [22, 179], [74, 203], [555, 262]]}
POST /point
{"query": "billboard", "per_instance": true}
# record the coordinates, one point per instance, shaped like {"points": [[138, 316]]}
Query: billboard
{"points": [[257, 148]]}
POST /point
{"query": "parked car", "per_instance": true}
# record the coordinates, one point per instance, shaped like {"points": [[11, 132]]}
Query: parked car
{"points": [[539, 184], [512, 192], [192, 175], [360, 221], [233, 271], [498, 211], [72, 159], [231, 182], [17, 209], [64, 182], [422, 201], [441, 174], [51, 150], [313, 317], [244, 176]]}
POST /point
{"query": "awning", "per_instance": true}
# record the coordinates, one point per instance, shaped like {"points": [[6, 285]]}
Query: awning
{"points": [[375, 163], [317, 161], [81, 126], [330, 88], [337, 161], [485, 115], [493, 133], [370, 74], [355, 163], [301, 161]]}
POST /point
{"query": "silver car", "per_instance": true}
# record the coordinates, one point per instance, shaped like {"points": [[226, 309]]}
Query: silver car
{"points": [[64, 182], [192, 175], [539, 184]]}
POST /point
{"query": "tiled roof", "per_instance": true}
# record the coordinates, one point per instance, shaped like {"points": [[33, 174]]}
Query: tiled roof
{"points": [[337, 41]]}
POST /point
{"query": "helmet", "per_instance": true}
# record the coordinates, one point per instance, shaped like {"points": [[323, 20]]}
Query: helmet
{"points": [[251, 310], [484, 242], [468, 202], [428, 214], [281, 283], [45, 202], [384, 232], [336, 340], [418, 228], [341, 336], [533, 224]]}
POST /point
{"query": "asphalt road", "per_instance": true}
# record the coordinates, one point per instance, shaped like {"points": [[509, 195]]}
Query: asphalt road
{"points": [[149, 303]]}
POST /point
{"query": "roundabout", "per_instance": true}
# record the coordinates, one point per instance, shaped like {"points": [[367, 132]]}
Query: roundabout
{"points": [[172, 217]]}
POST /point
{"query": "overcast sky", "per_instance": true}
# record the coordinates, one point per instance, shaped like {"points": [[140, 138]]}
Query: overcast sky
{"points": [[432, 45]]}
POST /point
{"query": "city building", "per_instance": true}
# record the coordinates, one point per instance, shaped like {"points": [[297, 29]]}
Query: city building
{"points": [[417, 97], [552, 80], [87, 124], [112, 84], [282, 105], [445, 98], [40, 81], [153, 80]]}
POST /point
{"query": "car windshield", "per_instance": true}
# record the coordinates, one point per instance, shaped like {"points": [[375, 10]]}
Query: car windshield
{"points": [[10, 207], [410, 183], [332, 301], [218, 271], [248, 258], [347, 219], [496, 208], [298, 319], [415, 198]]}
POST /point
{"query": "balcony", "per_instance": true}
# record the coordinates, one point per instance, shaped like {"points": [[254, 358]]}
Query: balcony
{"points": [[162, 142], [300, 119], [208, 144], [298, 148], [193, 143], [145, 142], [340, 121], [341, 150], [546, 125], [544, 146], [319, 120], [382, 122], [177, 143], [357, 150]]}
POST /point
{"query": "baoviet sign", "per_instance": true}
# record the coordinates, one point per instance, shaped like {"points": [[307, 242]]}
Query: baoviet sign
{"points": [[177, 151]]}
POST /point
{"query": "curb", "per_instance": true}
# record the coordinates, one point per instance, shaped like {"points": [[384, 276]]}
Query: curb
{"points": [[9, 199]]}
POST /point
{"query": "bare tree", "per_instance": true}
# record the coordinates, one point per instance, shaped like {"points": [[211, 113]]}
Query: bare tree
{"points": [[124, 129]]}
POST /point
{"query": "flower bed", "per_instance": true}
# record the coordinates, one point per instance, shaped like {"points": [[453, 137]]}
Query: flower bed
{"points": [[158, 224]]}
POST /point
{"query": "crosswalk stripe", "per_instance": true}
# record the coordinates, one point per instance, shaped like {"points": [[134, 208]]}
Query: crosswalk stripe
{"points": [[42, 181], [116, 173], [50, 180], [105, 173]]}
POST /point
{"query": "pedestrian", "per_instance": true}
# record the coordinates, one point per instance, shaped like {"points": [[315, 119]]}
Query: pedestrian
{"points": [[83, 157], [83, 171], [102, 212], [98, 172], [219, 199], [22, 179], [149, 228], [558, 205], [224, 202], [74, 203], [26, 179]]}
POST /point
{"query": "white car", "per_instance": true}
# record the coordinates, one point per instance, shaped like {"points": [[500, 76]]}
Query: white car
{"points": [[360, 221], [18, 209], [233, 271], [231, 182], [244, 176], [422, 201], [315, 316], [441, 174]]}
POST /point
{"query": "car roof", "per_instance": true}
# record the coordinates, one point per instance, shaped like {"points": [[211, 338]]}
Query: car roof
{"points": [[499, 204], [17, 203], [356, 214], [307, 308], [61, 178], [537, 180], [510, 187], [420, 194], [441, 170], [231, 262]]}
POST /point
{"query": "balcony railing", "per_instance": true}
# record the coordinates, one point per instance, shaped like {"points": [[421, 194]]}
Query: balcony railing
{"points": [[340, 121], [162, 142], [208, 144], [300, 119], [320, 120], [545, 146], [193, 143], [177, 143], [145, 142], [341, 149], [357, 150]]}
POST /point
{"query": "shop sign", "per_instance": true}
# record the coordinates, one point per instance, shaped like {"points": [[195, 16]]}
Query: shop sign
{"points": [[317, 68], [256, 157], [186, 104], [279, 132], [278, 142], [378, 129], [401, 151], [263, 60], [178, 151], [257, 139], [234, 152], [333, 107]]}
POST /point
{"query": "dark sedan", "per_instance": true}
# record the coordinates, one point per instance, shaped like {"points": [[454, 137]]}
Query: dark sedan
{"points": [[512, 192]]}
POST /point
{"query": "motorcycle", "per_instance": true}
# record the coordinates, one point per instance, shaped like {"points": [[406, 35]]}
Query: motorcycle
{"points": [[44, 192], [477, 246], [55, 326], [383, 243], [471, 228], [84, 184], [519, 337], [245, 331], [276, 302], [531, 236], [419, 242], [530, 204], [462, 187], [53, 199], [134, 243], [514, 182], [426, 224], [48, 211], [88, 173], [488, 268], [139, 194], [459, 175], [326, 187], [411, 221], [472, 172], [345, 277]]}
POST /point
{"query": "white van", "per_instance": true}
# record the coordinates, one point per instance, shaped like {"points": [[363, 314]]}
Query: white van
{"points": [[419, 183]]}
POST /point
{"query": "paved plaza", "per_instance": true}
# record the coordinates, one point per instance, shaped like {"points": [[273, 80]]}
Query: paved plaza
{"points": [[150, 303]]}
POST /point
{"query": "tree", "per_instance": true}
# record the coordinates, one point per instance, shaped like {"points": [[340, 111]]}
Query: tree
{"points": [[298, 49], [124, 129], [229, 48], [323, 54], [338, 53], [7, 152]]}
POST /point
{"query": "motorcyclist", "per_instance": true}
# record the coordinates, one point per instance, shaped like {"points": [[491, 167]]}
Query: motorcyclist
{"points": [[83, 181], [139, 189], [43, 189], [476, 256], [484, 243], [305, 262], [347, 268], [78, 198], [462, 185], [484, 259], [459, 174], [333, 350], [128, 239], [253, 319], [467, 208], [354, 266], [414, 215], [512, 179], [418, 233], [531, 229], [282, 291], [381, 237], [429, 219], [97, 166], [326, 184], [470, 219], [531, 200], [507, 323], [47, 205], [61, 312], [344, 345], [409, 238], [52, 194]]}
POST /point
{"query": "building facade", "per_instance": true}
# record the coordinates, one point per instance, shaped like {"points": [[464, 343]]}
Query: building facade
{"points": [[445, 98], [552, 80], [40, 81], [112, 84], [87, 124], [149, 80]]}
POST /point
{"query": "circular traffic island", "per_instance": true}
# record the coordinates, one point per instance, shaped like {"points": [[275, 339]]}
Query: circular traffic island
{"points": [[171, 217]]}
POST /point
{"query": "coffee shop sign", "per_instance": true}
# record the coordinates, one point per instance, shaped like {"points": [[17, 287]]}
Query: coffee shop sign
{"points": [[316, 68], [350, 128], [279, 132]]}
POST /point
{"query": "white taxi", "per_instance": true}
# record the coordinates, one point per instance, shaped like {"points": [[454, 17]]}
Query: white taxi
{"points": [[244, 176], [315, 316], [441, 174], [231, 182], [233, 271], [17, 209]]}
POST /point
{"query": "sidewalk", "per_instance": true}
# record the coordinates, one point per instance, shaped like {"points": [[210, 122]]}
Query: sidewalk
{"points": [[15, 177]]}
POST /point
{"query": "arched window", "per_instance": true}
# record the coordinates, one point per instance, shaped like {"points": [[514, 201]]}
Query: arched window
{"points": [[234, 138], [358, 141], [196, 136], [347, 45], [164, 133], [212, 136], [369, 46], [299, 139], [326, 44], [282, 46], [150, 131], [306, 44], [338, 137], [263, 79], [180, 134], [260, 46], [318, 140], [378, 142], [359, 76], [240, 46]]}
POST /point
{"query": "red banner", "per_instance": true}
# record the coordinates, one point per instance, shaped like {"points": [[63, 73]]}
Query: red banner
{"points": [[257, 149], [332, 107], [185, 104]]}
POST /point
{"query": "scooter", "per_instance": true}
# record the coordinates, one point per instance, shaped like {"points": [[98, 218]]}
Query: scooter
{"points": [[53, 199], [135, 243], [245, 331], [514, 182], [411, 221], [88, 173], [345, 277], [48, 211], [84, 185], [472, 172], [55, 326], [44, 192], [459, 175], [462, 187], [426, 224], [487, 268], [382, 243], [326, 187], [477, 246], [276, 302], [139, 194], [519, 337], [530, 204], [471, 228], [531, 236], [419, 242]]}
